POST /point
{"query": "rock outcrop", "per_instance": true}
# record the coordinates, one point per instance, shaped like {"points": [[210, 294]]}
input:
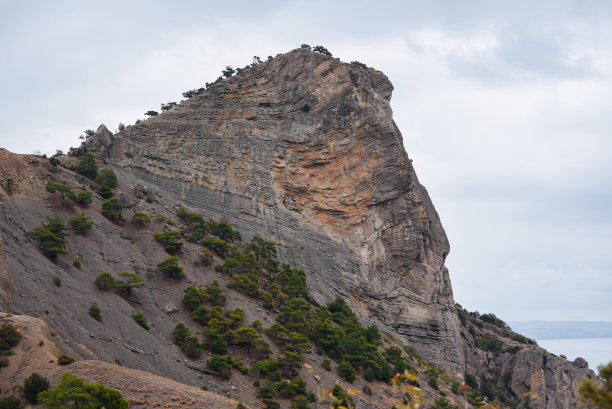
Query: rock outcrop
{"points": [[303, 148]]}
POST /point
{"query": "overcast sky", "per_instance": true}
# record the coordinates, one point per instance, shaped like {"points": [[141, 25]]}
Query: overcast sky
{"points": [[505, 108]]}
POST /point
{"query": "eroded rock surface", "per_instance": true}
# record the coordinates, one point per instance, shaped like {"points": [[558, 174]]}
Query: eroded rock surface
{"points": [[303, 148]]}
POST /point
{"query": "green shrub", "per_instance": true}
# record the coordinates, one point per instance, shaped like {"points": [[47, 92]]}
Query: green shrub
{"points": [[266, 389], [257, 325], [107, 176], [271, 404], [217, 245], [80, 223], [33, 385], [57, 281], [205, 257], [513, 349], [94, 312], [192, 297], [141, 218], [290, 389], [197, 226], [65, 360], [140, 320], [300, 402], [322, 50], [77, 263], [223, 230], [9, 336], [442, 403], [112, 209], [170, 240], [326, 364], [64, 191], [189, 345], [105, 281], [50, 236], [214, 294], [492, 319], [11, 402], [489, 344], [346, 371], [83, 197], [73, 392], [87, 166], [222, 364], [171, 268], [342, 398], [105, 191], [462, 316], [456, 388]]}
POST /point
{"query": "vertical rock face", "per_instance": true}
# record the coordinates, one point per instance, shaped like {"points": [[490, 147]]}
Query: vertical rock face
{"points": [[552, 381], [303, 148]]}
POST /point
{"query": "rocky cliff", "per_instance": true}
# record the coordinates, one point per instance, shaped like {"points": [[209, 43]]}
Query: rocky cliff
{"points": [[304, 149]]}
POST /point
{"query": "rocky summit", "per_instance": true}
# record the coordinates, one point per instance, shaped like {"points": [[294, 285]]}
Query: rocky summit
{"points": [[302, 151]]}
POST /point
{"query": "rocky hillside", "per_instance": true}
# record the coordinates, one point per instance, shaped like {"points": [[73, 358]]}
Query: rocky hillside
{"points": [[302, 152]]}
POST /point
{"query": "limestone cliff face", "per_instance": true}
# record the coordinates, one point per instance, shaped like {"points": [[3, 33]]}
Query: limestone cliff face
{"points": [[303, 148]]}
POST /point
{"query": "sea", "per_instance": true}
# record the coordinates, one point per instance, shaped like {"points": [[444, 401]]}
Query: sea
{"points": [[596, 351]]}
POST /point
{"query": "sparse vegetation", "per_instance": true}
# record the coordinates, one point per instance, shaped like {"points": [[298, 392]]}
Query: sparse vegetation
{"points": [[64, 191], [65, 360], [77, 263], [217, 245], [83, 197], [105, 191], [140, 320], [171, 267], [108, 177], [205, 257], [489, 344], [322, 50], [9, 336], [346, 371], [57, 281], [112, 209], [189, 344], [94, 311], [10, 402], [141, 218], [73, 392], [87, 166], [50, 236], [33, 385], [170, 240], [105, 281], [492, 319], [80, 223]]}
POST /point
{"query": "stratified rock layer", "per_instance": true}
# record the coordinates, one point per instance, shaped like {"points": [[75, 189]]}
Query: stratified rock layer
{"points": [[303, 149]]}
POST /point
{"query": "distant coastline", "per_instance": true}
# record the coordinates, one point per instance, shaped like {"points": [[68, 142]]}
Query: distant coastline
{"points": [[542, 330]]}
